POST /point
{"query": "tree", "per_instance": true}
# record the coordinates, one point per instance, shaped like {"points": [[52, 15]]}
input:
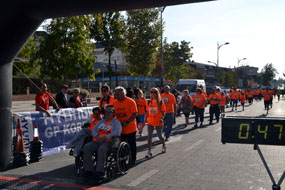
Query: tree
{"points": [[229, 79], [143, 32], [109, 30], [25, 61], [66, 51], [268, 74], [175, 57], [199, 74]]}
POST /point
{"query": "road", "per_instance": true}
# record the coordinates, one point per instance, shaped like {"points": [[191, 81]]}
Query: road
{"points": [[195, 159]]}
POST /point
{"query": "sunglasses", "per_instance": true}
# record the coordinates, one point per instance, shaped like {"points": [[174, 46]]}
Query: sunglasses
{"points": [[109, 112], [104, 90], [153, 92]]}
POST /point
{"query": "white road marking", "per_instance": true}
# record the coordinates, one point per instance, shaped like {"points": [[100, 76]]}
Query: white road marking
{"points": [[174, 139], [142, 178], [217, 130], [193, 145]]}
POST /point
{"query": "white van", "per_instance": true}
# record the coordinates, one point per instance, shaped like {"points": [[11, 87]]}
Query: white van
{"points": [[190, 84]]}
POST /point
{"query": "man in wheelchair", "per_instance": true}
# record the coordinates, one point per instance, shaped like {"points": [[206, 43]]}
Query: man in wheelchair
{"points": [[102, 133]]}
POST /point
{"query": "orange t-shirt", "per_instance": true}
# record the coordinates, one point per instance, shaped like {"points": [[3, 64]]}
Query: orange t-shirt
{"points": [[103, 130], [235, 95], [103, 101], [214, 98], [142, 106], [242, 99], [123, 111], [155, 114], [198, 100], [250, 94], [204, 93], [267, 95], [223, 100], [93, 123], [170, 101]]}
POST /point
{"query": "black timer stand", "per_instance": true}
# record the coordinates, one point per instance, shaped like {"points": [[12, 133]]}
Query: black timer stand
{"points": [[274, 186]]}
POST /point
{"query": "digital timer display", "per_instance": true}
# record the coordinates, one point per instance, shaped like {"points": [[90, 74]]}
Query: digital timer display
{"points": [[263, 131]]}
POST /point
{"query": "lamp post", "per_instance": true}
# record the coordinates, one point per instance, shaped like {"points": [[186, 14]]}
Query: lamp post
{"points": [[161, 61], [218, 48], [215, 65], [239, 60]]}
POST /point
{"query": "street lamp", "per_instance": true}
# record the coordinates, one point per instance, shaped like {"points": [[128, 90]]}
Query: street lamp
{"points": [[161, 64], [218, 48], [239, 60], [216, 67], [213, 63]]}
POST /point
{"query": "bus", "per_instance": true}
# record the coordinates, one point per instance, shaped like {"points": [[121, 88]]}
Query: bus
{"points": [[190, 84]]}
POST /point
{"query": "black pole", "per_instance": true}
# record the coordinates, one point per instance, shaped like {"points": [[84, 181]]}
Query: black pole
{"points": [[5, 114], [13, 41]]}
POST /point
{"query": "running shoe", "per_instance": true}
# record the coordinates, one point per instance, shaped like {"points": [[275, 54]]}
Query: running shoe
{"points": [[163, 148], [148, 155]]}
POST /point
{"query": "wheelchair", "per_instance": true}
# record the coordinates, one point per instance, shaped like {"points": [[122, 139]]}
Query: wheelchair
{"points": [[117, 161]]}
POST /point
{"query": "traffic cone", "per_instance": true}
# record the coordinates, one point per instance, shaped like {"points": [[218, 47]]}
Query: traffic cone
{"points": [[19, 157], [36, 148], [36, 133]]}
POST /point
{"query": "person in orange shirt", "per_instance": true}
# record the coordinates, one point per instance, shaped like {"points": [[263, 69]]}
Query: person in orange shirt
{"points": [[106, 97], [126, 112], [142, 107], [103, 133], [42, 100], [170, 103], [235, 97], [267, 98], [242, 100], [199, 102], [250, 97], [222, 104], [214, 99], [77, 142], [155, 119]]}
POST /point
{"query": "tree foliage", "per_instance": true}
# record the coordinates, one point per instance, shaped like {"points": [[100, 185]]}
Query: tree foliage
{"points": [[143, 32], [230, 79], [175, 56], [268, 74], [108, 29], [26, 60], [67, 51]]}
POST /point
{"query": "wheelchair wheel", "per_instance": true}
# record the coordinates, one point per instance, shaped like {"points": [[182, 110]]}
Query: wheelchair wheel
{"points": [[123, 158]]}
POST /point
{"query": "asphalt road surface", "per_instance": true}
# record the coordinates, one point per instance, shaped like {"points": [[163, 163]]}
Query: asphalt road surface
{"points": [[195, 159]]}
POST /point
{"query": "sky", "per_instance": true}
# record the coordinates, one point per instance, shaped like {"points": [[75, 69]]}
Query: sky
{"points": [[255, 30]]}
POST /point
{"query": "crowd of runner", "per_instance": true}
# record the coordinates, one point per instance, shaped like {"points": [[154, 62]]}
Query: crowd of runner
{"points": [[126, 112]]}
